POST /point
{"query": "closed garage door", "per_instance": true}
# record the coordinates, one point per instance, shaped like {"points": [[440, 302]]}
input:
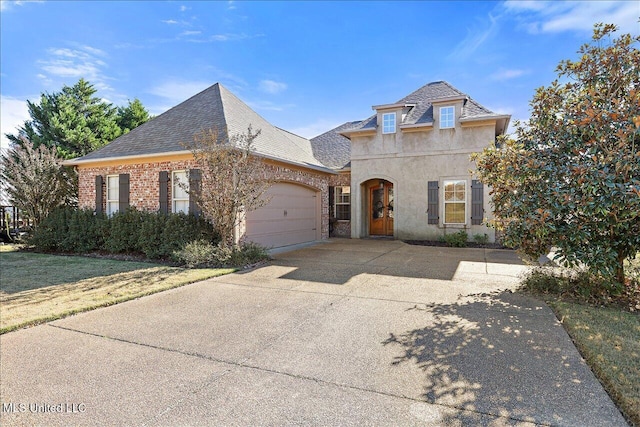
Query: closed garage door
{"points": [[290, 217]]}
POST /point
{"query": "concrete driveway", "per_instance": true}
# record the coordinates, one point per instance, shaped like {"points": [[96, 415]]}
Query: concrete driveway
{"points": [[349, 332]]}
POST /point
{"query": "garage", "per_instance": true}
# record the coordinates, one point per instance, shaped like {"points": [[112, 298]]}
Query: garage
{"points": [[290, 217]]}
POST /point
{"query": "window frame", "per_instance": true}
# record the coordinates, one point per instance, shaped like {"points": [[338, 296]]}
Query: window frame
{"points": [[387, 125], [338, 200], [450, 122], [457, 202], [174, 185], [110, 200]]}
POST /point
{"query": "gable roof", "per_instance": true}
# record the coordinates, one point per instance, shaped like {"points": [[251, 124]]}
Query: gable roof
{"points": [[333, 149], [213, 108], [421, 102]]}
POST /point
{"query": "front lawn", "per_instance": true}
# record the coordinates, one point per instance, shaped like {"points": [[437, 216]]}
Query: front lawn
{"points": [[36, 288], [609, 340]]}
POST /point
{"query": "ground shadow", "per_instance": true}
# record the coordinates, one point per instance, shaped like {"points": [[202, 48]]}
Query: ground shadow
{"points": [[25, 271], [492, 354]]}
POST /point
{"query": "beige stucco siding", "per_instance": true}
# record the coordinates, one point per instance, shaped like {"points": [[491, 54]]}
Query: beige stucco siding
{"points": [[410, 161]]}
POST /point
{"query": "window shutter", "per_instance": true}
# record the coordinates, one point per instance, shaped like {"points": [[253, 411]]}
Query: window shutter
{"points": [[99, 194], [123, 192], [477, 196], [195, 183], [432, 203], [332, 213], [164, 191]]}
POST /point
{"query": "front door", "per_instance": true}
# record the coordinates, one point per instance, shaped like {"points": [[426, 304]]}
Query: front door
{"points": [[381, 209]]}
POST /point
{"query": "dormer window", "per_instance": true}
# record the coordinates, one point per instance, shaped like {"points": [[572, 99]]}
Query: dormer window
{"points": [[447, 120], [389, 123]]}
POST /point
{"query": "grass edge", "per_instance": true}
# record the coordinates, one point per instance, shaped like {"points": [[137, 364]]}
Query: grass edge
{"points": [[67, 313]]}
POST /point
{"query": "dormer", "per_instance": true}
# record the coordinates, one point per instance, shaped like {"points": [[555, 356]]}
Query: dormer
{"points": [[448, 110], [391, 116]]}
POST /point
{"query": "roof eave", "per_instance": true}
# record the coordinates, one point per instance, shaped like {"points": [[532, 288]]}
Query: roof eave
{"points": [[80, 161], [358, 132], [392, 106]]}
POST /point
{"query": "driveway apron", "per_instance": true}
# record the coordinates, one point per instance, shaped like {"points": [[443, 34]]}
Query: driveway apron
{"points": [[346, 332]]}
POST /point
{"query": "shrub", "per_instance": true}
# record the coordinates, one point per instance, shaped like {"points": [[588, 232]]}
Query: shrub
{"points": [[456, 240], [86, 231], [481, 239], [203, 253], [124, 232], [582, 286], [52, 230], [153, 234]]}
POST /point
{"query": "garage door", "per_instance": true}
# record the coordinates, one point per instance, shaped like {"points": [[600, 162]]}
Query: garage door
{"points": [[290, 217]]}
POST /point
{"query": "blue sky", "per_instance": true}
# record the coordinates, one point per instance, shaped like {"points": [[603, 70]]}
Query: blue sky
{"points": [[304, 66]]}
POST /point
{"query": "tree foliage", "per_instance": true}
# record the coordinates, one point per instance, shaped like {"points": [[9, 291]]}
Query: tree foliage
{"points": [[132, 116], [234, 179], [76, 121], [36, 181], [571, 178]]}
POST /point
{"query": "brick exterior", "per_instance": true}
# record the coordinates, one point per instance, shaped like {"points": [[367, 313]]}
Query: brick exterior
{"points": [[341, 228], [144, 191]]}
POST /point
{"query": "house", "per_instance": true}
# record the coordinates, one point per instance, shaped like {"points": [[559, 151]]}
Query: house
{"points": [[403, 172]]}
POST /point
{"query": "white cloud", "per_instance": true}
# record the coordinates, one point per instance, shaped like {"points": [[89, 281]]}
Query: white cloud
{"points": [[315, 128], [231, 5], [184, 8], [508, 74], [170, 21], [7, 4], [268, 105], [175, 92], [13, 113], [555, 16], [190, 33], [271, 86], [75, 63], [484, 31]]}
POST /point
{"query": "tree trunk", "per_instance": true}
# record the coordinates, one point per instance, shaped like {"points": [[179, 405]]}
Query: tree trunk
{"points": [[620, 269]]}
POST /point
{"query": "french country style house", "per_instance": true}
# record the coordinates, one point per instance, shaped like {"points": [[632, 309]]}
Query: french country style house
{"points": [[404, 172]]}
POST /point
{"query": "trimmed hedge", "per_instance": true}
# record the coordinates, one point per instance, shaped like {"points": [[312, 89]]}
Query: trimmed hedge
{"points": [[153, 234]]}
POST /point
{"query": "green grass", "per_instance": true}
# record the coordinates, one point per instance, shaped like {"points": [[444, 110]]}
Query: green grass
{"points": [[609, 340], [36, 288]]}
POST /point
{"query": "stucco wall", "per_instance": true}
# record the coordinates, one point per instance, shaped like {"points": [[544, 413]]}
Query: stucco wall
{"points": [[144, 190], [410, 161]]}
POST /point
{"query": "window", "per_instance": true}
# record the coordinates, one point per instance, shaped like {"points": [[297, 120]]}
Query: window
{"points": [[342, 197], [113, 190], [446, 117], [389, 123], [455, 202], [179, 192]]}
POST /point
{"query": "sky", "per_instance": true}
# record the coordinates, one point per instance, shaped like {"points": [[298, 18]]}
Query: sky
{"points": [[306, 67]]}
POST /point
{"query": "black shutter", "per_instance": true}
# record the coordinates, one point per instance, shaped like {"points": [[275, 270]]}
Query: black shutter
{"points": [[477, 208], [332, 190], [123, 193], [195, 181], [98, 194], [164, 192], [432, 203]]}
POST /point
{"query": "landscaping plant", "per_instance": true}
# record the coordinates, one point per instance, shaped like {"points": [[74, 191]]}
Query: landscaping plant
{"points": [[570, 179]]}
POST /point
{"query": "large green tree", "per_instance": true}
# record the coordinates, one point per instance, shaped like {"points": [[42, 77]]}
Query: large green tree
{"points": [[76, 121], [132, 116], [571, 177]]}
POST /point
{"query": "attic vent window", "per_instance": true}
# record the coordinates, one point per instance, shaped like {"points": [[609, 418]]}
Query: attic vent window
{"points": [[389, 123], [446, 117]]}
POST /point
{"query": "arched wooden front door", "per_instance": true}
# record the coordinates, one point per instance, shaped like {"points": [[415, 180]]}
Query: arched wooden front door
{"points": [[380, 208]]}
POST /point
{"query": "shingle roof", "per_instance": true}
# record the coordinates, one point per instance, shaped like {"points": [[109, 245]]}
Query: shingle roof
{"points": [[423, 99], [213, 108], [333, 149]]}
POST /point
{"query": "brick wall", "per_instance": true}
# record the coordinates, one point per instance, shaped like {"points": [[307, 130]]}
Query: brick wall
{"points": [[144, 191]]}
